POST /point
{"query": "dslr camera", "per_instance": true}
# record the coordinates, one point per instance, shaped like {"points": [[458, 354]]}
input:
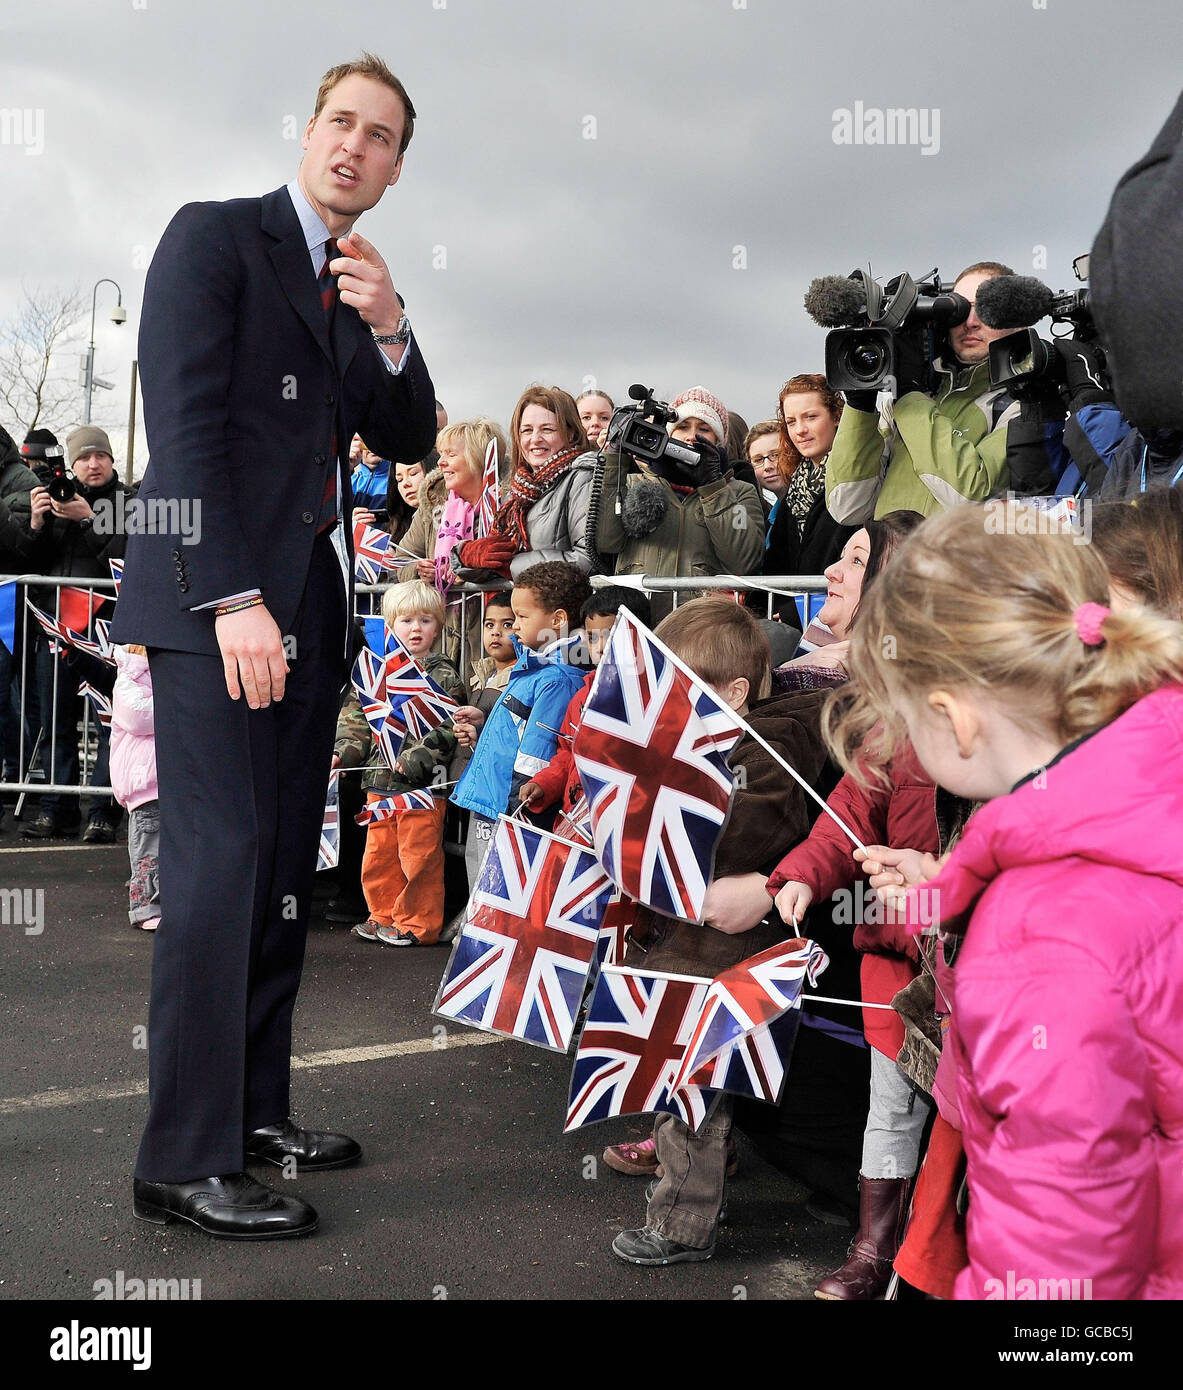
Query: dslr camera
{"points": [[884, 337], [60, 482], [640, 430]]}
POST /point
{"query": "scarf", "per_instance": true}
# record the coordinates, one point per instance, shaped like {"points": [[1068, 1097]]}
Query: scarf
{"points": [[807, 484], [456, 526], [525, 488]]}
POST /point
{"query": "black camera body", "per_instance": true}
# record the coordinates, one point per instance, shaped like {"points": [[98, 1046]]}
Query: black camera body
{"points": [[62, 485], [891, 334], [640, 430]]}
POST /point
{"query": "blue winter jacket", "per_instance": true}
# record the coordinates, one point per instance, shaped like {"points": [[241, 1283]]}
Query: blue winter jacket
{"points": [[370, 484], [520, 735]]}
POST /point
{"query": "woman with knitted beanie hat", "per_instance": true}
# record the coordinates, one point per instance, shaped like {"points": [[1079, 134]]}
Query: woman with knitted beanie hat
{"points": [[670, 519]]}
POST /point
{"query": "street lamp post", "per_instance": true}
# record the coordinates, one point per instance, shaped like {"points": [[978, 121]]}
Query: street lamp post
{"points": [[89, 380]]}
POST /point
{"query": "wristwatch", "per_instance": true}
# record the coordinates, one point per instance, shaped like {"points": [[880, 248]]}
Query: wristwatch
{"points": [[390, 339]]}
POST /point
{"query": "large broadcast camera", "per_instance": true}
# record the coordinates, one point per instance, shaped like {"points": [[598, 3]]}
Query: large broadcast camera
{"points": [[885, 337], [640, 430], [1023, 362]]}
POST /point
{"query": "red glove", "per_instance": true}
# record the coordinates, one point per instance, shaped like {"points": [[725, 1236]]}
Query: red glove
{"points": [[489, 553]]}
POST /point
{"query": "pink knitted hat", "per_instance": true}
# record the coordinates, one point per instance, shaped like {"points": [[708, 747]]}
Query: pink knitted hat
{"points": [[699, 402]]}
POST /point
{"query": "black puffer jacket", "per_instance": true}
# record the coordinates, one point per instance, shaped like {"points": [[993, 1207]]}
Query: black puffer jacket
{"points": [[17, 480], [80, 550]]}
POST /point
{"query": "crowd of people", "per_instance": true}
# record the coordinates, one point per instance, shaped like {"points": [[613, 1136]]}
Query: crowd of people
{"points": [[994, 710]]}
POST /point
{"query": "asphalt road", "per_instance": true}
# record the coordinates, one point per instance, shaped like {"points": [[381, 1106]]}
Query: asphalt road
{"points": [[468, 1189]]}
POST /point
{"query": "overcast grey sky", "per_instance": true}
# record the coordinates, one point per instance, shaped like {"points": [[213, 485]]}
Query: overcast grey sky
{"points": [[570, 257]]}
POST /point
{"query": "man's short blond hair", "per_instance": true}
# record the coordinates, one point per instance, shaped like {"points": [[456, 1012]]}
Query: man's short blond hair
{"points": [[368, 65]]}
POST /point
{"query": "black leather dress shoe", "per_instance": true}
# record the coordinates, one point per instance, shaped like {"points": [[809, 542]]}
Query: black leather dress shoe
{"points": [[312, 1149], [233, 1206]]}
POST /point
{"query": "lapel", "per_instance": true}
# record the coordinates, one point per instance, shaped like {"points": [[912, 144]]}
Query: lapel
{"points": [[292, 264]]}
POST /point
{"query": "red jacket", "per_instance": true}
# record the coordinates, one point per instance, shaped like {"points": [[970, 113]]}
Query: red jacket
{"points": [[902, 816], [560, 777]]}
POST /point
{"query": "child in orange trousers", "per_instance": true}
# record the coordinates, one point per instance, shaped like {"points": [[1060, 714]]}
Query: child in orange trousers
{"points": [[402, 872]]}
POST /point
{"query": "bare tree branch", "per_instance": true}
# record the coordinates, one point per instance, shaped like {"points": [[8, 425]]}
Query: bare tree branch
{"points": [[37, 387]]}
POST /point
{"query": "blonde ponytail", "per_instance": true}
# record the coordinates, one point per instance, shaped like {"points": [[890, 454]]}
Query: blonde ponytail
{"points": [[968, 602]]}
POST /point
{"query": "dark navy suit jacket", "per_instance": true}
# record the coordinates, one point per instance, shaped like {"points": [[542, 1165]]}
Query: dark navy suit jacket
{"points": [[243, 396]]}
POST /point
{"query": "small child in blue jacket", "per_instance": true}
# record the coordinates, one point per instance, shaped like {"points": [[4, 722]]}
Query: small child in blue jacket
{"points": [[520, 734]]}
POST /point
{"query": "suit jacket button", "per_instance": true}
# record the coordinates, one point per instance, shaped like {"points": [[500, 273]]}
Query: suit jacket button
{"points": [[183, 585], [176, 554], [319, 460], [307, 518], [330, 399]]}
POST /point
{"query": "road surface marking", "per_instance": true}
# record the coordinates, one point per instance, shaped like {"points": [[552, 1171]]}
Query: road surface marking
{"points": [[81, 1095]]}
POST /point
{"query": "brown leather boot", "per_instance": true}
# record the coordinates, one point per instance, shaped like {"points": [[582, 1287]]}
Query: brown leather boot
{"points": [[883, 1209]]}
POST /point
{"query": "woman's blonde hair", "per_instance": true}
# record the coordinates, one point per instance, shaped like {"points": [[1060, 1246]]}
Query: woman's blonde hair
{"points": [[474, 435], [983, 598], [413, 596]]}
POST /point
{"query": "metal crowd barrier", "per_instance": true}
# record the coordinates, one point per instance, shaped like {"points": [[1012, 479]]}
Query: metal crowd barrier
{"points": [[34, 751]]}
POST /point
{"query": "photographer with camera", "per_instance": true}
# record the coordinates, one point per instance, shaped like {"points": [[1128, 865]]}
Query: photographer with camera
{"points": [[79, 525], [680, 510], [947, 440]]}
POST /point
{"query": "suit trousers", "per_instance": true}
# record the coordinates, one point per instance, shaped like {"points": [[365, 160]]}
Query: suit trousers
{"points": [[242, 797]]}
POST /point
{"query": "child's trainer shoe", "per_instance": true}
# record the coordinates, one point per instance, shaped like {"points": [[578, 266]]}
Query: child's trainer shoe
{"points": [[635, 1156], [648, 1247], [391, 936], [368, 931]]}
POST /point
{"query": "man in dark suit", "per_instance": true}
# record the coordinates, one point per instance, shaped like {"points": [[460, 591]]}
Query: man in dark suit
{"points": [[271, 333]]}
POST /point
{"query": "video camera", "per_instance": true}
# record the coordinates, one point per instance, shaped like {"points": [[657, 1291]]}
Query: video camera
{"points": [[885, 337], [1023, 362], [640, 430]]}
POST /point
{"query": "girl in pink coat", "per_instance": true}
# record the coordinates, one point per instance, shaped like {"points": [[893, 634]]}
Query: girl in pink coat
{"points": [[133, 779], [995, 648]]}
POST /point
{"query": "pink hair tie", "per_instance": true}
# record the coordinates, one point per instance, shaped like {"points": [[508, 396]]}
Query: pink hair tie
{"points": [[1088, 619]]}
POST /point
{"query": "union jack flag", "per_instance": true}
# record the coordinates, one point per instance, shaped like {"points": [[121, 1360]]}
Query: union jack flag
{"points": [[417, 703], [521, 961], [116, 574], [749, 997], [490, 490], [369, 680], [652, 757], [330, 826], [755, 1064], [387, 807], [102, 705], [637, 1029], [575, 824], [619, 916], [59, 632], [371, 553]]}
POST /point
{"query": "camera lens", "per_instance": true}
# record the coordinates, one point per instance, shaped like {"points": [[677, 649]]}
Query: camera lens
{"points": [[866, 360], [61, 488], [646, 437]]}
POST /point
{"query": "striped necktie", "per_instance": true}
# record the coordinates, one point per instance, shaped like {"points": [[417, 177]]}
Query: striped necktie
{"points": [[328, 300]]}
